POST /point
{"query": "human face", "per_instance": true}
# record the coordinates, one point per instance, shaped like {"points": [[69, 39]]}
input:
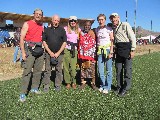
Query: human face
{"points": [[101, 21], [73, 23], [55, 20], [114, 20], [87, 26], [38, 15]]}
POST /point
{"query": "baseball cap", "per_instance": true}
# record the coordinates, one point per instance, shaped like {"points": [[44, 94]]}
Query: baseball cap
{"points": [[114, 15], [72, 18]]}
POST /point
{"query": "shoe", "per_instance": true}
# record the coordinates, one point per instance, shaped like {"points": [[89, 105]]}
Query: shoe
{"points": [[57, 88], [105, 91], [122, 93], [94, 87], [82, 86], [36, 91], [68, 86], [46, 88], [74, 86], [100, 89], [117, 91], [22, 98]]}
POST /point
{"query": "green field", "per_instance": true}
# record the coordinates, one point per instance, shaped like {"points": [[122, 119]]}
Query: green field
{"points": [[142, 102]]}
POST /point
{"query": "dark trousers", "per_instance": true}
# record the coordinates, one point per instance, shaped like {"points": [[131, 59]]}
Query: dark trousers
{"points": [[37, 64], [123, 72], [48, 68]]}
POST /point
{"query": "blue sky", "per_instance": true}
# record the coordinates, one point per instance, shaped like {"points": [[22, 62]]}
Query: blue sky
{"points": [[147, 10]]}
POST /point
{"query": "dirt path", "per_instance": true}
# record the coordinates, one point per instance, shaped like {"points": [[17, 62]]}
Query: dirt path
{"points": [[10, 70]]}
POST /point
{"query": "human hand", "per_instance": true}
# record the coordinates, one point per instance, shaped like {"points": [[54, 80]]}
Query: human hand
{"points": [[110, 55], [56, 54], [132, 54], [24, 56], [52, 54]]}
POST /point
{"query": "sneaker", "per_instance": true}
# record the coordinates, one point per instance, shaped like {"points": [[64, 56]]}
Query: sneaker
{"points": [[57, 88], [100, 89], [117, 91], [46, 88], [68, 86], [74, 86], [36, 91], [82, 86], [94, 87], [22, 98], [105, 91], [122, 93]]}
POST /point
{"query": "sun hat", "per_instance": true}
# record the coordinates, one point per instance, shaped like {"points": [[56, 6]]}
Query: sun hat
{"points": [[72, 18]]}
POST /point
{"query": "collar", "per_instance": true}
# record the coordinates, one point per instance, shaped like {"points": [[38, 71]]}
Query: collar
{"points": [[52, 27], [114, 27], [99, 27]]}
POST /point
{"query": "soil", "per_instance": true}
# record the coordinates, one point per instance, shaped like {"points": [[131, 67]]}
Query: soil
{"points": [[10, 70]]}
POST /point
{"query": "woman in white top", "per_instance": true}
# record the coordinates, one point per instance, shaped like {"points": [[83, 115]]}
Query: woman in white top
{"points": [[105, 53]]}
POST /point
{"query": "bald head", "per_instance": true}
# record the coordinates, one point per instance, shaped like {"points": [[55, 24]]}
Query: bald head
{"points": [[55, 20]]}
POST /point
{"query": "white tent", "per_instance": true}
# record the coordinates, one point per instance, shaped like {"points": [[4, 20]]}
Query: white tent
{"points": [[149, 37]]}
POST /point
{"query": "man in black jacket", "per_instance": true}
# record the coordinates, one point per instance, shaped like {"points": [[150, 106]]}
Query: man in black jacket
{"points": [[54, 40]]}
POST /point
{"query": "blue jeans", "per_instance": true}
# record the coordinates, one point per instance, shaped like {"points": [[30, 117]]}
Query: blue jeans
{"points": [[106, 79], [16, 49]]}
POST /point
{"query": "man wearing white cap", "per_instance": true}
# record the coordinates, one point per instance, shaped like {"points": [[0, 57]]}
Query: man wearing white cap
{"points": [[125, 44]]}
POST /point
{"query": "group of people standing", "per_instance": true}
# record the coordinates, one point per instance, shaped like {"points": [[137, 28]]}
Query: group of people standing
{"points": [[66, 46]]}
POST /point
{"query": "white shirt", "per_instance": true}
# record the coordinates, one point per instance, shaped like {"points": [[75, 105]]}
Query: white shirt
{"points": [[103, 37]]}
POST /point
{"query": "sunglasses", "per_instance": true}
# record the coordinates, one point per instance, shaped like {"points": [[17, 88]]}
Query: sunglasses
{"points": [[72, 20]]}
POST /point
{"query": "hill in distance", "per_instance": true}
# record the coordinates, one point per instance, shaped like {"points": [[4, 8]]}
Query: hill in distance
{"points": [[143, 32]]}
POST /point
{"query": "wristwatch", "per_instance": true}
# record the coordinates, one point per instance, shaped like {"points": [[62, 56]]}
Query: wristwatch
{"points": [[111, 53]]}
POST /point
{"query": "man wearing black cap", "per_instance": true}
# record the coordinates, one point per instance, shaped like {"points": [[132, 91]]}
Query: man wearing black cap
{"points": [[125, 44], [54, 40]]}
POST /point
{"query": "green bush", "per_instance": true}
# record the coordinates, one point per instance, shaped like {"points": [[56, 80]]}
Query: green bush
{"points": [[141, 103]]}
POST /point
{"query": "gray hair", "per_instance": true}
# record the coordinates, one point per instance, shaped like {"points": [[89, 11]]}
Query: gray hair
{"points": [[37, 9]]}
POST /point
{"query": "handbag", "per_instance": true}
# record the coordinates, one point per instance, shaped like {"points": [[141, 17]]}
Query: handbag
{"points": [[37, 50]]}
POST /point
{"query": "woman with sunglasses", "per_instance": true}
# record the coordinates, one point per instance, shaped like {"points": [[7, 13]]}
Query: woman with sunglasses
{"points": [[70, 52]]}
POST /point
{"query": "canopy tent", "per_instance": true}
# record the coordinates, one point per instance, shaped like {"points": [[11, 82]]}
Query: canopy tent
{"points": [[148, 37], [18, 18]]}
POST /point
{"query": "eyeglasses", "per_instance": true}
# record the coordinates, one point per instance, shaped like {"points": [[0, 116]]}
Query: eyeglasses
{"points": [[72, 20]]}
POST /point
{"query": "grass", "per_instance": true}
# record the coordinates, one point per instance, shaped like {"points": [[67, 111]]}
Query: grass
{"points": [[142, 102]]}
